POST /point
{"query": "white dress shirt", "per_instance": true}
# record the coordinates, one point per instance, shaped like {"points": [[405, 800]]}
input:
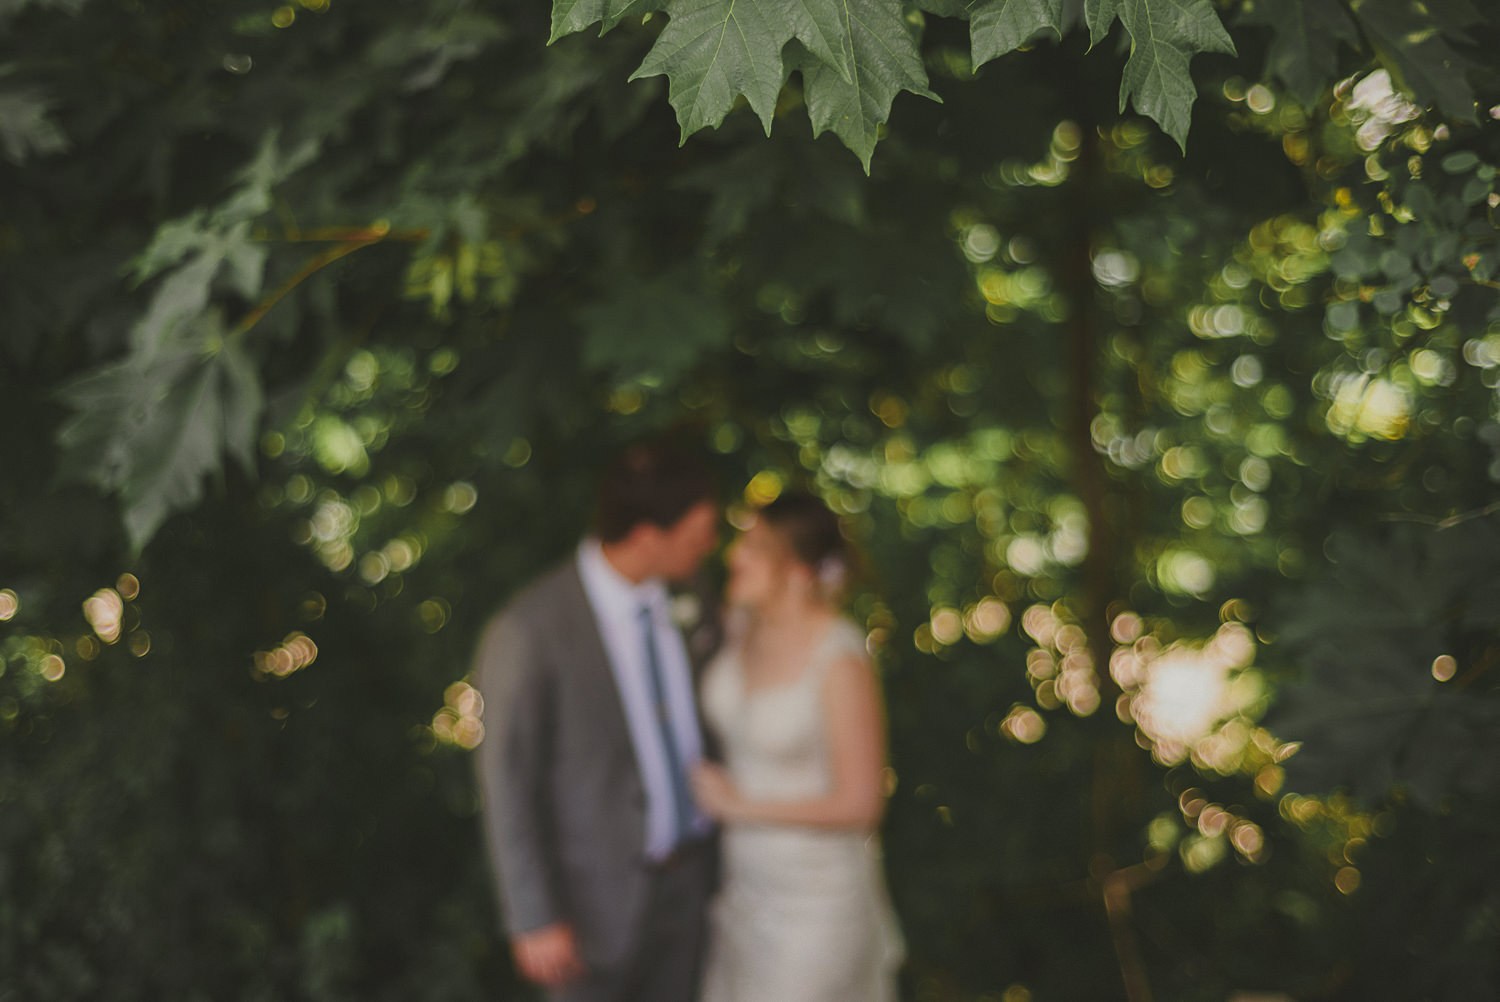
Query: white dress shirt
{"points": [[617, 602]]}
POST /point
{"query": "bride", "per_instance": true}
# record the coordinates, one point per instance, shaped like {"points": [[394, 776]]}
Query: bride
{"points": [[802, 914]]}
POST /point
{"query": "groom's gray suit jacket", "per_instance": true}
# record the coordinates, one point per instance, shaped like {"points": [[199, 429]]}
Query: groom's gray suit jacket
{"points": [[565, 808]]}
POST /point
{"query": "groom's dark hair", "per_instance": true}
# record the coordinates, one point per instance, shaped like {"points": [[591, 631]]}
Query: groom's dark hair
{"points": [[655, 482]]}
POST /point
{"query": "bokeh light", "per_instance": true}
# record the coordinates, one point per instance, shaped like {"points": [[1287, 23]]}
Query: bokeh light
{"points": [[104, 610], [460, 720], [293, 654], [1189, 700]]}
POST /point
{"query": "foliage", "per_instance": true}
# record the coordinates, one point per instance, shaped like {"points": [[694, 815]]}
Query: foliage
{"points": [[340, 305], [1439, 601], [1417, 746], [856, 56]]}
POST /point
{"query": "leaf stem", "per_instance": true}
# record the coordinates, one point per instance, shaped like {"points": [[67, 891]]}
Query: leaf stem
{"points": [[351, 240], [345, 234], [1442, 523]]}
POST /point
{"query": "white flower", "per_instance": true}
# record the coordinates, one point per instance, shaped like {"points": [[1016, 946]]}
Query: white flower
{"points": [[686, 610], [832, 572]]}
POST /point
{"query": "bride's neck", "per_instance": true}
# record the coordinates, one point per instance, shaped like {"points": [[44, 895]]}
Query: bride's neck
{"points": [[790, 614]]}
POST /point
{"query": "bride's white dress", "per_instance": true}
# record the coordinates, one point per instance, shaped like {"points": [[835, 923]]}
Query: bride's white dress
{"points": [[802, 914]]}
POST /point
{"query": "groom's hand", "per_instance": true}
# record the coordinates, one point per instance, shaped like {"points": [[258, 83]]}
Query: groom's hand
{"points": [[549, 955], [714, 791]]}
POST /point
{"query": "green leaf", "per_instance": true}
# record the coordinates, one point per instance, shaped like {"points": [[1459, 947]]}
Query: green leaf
{"points": [[1364, 634], [1444, 286], [818, 24], [200, 247], [883, 59], [244, 261], [1475, 191], [185, 293], [998, 26], [1100, 16], [1164, 36], [259, 178], [569, 16], [1410, 44], [1303, 53], [181, 297], [660, 326], [151, 427], [178, 446], [711, 52], [1460, 162], [856, 55], [426, 56], [172, 241], [945, 8], [823, 26], [1422, 203], [26, 126]]}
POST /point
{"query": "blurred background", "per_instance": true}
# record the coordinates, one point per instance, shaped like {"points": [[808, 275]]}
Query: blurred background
{"points": [[1176, 475]]}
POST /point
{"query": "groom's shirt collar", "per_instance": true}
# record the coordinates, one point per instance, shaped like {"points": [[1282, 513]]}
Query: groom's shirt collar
{"points": [[612, 593]]}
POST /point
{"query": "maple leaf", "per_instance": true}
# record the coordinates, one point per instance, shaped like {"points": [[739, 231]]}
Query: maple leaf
{"points": [[714, 50], [1100, 16], [151, 427], [998, 26], [569, 16], [822, 26], [855, 56], [1164, 37], [883, 60], [183, 296]]}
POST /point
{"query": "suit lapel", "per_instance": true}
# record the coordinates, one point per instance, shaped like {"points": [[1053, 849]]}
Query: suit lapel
{"points": [[593, 673], [590, 666]]}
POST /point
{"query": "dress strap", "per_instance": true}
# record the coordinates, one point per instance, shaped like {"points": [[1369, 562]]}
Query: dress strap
{"points": [[840, 639]]}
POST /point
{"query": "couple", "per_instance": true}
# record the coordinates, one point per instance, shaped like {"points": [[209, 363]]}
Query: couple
{"points": [[633, 869]]}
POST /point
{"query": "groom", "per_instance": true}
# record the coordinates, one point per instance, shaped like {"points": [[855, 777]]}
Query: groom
{"points": [[590, 728]]}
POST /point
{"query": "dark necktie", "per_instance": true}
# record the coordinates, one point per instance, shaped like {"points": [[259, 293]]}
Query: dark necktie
{"points": [[682, 803]]}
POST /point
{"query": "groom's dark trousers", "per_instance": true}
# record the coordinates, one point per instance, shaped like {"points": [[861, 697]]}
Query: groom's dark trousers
{"points": [[667, 962]]}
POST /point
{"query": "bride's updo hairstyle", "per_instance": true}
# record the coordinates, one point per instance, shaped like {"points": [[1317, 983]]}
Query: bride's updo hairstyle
{"points": [[815, 537]]}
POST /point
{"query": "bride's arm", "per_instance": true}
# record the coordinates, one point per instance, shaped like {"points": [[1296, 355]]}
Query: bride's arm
{"points": [[855, 722]]}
